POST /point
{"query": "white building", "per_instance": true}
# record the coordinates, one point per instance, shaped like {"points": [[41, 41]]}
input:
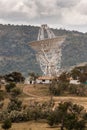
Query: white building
{"points": [[29, 81], [72, 81], [44, 79]]}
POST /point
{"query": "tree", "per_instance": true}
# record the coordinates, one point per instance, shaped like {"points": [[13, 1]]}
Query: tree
{"points": [[33, 76], [64, 77], [10, 86], [14, 104], [58, 87], [14, 77], [1, 95], [83, 78], [51, 118], [75, 73], [69, 115], [15, 92], [7, 124]]}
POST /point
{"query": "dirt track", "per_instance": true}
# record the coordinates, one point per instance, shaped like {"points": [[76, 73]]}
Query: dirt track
{"points": [[79, 100]]}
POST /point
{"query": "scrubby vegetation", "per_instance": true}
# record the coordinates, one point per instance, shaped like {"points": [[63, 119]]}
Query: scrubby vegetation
{"points": [[69, 116], [17, 55], [64, 115], [6, 124], [14, 77], [62, 85], [64, 89]]}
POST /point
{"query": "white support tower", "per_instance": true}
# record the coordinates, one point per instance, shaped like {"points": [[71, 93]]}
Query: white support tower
{"points": [[48, 51], [41, 32]]}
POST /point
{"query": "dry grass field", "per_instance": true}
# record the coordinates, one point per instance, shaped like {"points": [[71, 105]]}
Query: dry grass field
{"points": [[40, 93], [38, 89], [31, 126]]}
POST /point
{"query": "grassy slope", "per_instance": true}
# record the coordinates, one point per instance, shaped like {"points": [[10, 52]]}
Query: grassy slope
{"points": [[40, 93], [17, 55]]}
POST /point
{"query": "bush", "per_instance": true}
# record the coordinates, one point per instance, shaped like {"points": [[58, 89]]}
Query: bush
{"points": [[73, 89], [7, 124], [15, 92], [2, 95], [68, 116], [58, 88], [19, 116], [14, 104], [10, 86], [79, 90], [14, 77], [51, 118], [1, 105]]}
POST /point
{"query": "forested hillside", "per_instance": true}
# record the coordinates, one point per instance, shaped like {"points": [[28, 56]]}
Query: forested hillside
{"points": [[17, 55]]}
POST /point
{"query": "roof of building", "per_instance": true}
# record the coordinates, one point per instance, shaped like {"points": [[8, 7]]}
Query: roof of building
{"points": [[45, 77]]}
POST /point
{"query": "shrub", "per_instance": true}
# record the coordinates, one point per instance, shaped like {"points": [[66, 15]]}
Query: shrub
{"points": [[2, 95], [14, 104], [14, 77], [7, 124], [58, 88], [68, 116], [15, 92], [10, 86], [79, 90]]}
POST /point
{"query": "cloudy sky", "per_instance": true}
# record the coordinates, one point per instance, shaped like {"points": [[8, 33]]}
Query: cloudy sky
{"points": [[69, 14]]}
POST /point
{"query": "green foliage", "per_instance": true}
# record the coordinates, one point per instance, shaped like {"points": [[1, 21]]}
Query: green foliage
{"points": [[51, 118], [73, 89], [69, 115], [2, 95], [36, 113], [33, 76], [83, 78], [19, 116], [14, 77], [75, 73], [79, 90], [63, 88], [58, 88], [80, 73], [14, 104], [62, 85], [7, 124], [15, 92], [10, 86], [1, 105], [64, 77], [13, 44]]}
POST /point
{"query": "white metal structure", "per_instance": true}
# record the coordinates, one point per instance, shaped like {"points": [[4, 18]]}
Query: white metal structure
{"points": [[41, 34], [48, 51]]}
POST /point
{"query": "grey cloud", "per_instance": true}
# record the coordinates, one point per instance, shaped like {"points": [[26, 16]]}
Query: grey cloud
{"points": [[67, 3], [59, 12], [82, 7]]}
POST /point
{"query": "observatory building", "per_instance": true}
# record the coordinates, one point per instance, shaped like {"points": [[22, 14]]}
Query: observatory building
{"points": [[48, 50]]}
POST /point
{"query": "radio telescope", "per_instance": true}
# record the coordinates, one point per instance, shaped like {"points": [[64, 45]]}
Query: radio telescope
{"points": [[48, 51]]}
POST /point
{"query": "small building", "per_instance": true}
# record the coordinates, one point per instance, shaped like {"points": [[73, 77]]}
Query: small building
{"points": [[74, 81], [44, 79], [28, 80]]}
